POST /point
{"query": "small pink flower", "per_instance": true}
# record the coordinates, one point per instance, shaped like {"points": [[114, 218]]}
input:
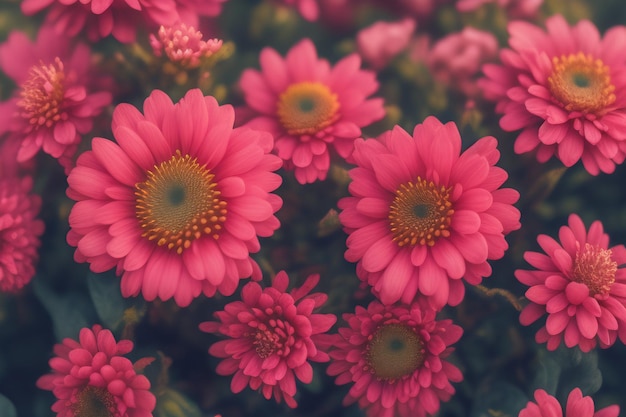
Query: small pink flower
{"points": [[272, 337], [456, 59], [309, 9], [519, 9], [309, 106], [422, 216], [183, 45], [382, 41], [178, 203], [566, 90], [581, 284], [92, 375], [394, 357], [546, 405], [55, 104]]}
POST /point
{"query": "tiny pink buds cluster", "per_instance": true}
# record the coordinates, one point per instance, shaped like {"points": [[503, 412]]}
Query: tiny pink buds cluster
{"points": [[183, 45]]}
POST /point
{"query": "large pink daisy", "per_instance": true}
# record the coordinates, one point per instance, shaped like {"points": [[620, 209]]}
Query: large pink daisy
{"points": [[92, 377], [566, 89], [546, 405], [580, 283], [178, 203], [55, 103], [422, 215], [394, 357], [272, 337], [308, 106]]}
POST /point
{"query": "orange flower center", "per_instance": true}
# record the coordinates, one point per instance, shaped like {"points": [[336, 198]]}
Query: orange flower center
{"points": [[595, 268], [394, 351], [420, 213], [94, 402], [179, 203], [306, 108], [581, 83], [42, 95]]}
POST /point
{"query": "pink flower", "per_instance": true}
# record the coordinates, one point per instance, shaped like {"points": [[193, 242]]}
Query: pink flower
{"points": [[56, 102], [191, 10], [455, 60], [309, 9], [308, 106], [580, 283], [566, 89], [272, 337], [394, 356], [178, 203], [92, 375], [519, 9], [422, 215], [546, 405], [382, 41], [183, 45], [101, 18]]}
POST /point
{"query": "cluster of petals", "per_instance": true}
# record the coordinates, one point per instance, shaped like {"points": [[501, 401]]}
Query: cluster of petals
{"points": [[178, 203], [517, 9], [272, 336], [92, 375], [565, 88], [423, 385], [309, 106], [57, 98], [456, 59], [183, 45], [380, 42], [545, 405], [580, 283], [422, 215]]}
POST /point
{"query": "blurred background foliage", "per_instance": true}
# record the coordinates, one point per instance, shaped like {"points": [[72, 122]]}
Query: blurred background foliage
{"points": [[501, 363]]}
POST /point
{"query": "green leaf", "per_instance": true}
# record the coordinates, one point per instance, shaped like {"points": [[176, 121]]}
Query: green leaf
{"points": [[174, 404], [107, 299], [7, 409]]}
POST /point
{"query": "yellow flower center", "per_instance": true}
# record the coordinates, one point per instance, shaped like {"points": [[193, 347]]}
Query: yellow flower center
{"points": [[94, 402], [420, 213], [581, 83], [306, 108], [394, 351], [178, 203], [42, 95], [594, 267]]}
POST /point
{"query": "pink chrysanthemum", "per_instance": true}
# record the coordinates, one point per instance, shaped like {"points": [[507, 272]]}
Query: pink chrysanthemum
{"points": [[309, 106], [272, 337], [580, 283], [55, 104], [101, 18], [178, 203], [423, 215], [381, 41], [183, 45], [546, 405], [566, 89], [92, 377], [394, 357]]}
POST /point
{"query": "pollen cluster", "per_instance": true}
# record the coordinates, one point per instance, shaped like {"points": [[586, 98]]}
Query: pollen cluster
{"points": [[306, 108]]}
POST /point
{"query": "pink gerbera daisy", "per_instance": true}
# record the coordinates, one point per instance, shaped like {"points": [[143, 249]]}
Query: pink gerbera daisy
{"points": [[178, 203], [56, 102], [546, 405], [308, 106], [272, 337], [394, 355], [580, 283], [566, 89], [422, 215], [92, 377]]}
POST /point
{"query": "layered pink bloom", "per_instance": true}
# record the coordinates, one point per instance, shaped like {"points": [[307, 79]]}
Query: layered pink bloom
{"points": [[566, 89], [101, 18], [581, 284], [382, 41], [92, 375], [422, 215], [272, 336], [309, 106], [394, 357], [183, 45], [56, 101], [178, 203], [518, 9], [546, 405], [456, 59]]}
